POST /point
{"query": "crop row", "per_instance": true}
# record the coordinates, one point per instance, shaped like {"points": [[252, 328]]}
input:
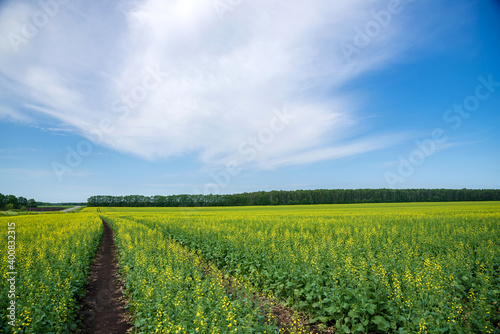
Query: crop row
{"points": [[408, 270], [171, 291], [53, 254]]}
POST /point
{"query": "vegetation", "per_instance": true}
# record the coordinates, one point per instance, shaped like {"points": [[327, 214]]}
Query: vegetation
{"points": [[10, 202], [53, 255], [62, 204], [170, 290], [369, 268], [295, 197], [400, 268]]}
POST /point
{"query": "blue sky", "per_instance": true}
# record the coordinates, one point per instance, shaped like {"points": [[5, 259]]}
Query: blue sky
{"points": [[195, 96]]}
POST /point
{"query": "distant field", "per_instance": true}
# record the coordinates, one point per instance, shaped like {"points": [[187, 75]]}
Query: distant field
{"points": [[47, 208]]}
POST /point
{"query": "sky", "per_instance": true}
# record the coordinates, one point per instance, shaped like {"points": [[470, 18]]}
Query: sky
{"points": [[160, 97]]}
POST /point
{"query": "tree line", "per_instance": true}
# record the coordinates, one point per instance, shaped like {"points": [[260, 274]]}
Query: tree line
{"points": [[10, 202], [296, 197]]}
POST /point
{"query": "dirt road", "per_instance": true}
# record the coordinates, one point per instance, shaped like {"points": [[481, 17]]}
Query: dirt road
{"points": [[103, 308]]}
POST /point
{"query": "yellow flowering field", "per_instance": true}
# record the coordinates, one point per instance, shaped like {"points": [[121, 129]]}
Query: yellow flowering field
{"points": [[385, 268], [50, 259], [171, 291]]}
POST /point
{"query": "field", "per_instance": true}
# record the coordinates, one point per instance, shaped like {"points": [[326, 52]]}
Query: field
{"points": [[366, 268], [52, 257]]}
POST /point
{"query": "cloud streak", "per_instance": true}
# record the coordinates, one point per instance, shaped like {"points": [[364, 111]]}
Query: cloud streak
{"points": [[218, 81]]}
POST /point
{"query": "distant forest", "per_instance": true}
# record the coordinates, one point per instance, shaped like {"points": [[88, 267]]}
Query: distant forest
{"points": [[9, 202], [12, 202], [296, 197]]}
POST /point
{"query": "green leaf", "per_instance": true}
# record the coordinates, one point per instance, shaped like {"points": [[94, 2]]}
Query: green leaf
{"points": [[139, 322], [382, 324], [345, 329], [332, 310], [323, 319], [371, 308], [360, 328]]}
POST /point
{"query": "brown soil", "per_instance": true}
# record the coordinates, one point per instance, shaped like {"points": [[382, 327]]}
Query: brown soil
{"points": [[102, 309], [36, 209], [284, 317]]}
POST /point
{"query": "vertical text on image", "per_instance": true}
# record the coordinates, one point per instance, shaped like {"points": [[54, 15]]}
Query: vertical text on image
{"points": [[11, 274]]}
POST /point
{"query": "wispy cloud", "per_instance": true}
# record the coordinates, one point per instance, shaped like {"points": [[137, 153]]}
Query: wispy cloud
{"points": [[439, 147], [335, 152], [26, 172], [10, 114], [217, 81], [35, 173]]}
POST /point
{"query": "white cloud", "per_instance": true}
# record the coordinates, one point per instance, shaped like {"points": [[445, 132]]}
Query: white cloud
{"points": [[335, 152], [222, 79], [10, 114]]}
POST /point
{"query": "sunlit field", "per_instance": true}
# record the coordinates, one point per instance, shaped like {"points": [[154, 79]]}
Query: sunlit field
{"points": [[418, 267], [365, 268], [50, 267]]}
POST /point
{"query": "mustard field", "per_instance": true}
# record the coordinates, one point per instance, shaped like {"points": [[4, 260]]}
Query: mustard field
{"points": [[52, 258], [364, 268], [171, 291]]}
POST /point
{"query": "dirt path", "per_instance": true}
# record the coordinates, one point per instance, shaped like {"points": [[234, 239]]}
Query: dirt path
{"points": [[71, 209], [102, 308]]}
